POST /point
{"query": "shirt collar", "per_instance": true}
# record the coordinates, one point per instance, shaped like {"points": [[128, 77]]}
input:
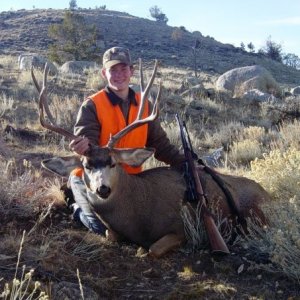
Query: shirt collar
{"points": [[115, 99]]}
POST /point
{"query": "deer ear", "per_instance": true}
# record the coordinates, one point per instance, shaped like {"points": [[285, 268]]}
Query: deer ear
{"points": [[132, 157], [62, 165]]}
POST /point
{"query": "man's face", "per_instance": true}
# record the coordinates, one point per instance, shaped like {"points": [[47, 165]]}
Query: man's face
{"points": [[118, 76]]}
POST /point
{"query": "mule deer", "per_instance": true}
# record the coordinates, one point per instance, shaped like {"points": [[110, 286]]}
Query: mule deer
{"points": [[144, 208]]}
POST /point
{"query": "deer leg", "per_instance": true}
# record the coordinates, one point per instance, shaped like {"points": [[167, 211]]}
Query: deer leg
{"points": [[165, 244]]}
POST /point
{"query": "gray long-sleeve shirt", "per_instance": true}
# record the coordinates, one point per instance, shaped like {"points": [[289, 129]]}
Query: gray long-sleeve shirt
{"points": [[88, 125]]}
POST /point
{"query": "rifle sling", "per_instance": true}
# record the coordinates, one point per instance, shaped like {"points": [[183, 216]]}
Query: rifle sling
{"points": [[227, 193]]}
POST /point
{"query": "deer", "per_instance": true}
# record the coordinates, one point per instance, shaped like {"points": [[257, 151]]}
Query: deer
{"points": [[145, 208]]}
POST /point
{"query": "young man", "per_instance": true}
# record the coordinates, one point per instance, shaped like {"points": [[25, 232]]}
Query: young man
{"points": [[103, 113]]}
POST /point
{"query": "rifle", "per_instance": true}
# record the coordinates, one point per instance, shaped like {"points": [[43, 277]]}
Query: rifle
{"points": [[195, 191]]}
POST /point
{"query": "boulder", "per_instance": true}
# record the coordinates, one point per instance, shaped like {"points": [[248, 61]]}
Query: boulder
{"points": [[295, 91], [214, 159], [259, 96], [240, 80], [27, 60], [77, 67]]}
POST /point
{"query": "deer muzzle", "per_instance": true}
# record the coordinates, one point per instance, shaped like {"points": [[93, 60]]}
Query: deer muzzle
{"points": [[103, 191]]}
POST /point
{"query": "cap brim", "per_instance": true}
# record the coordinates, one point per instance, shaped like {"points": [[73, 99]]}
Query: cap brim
{"points": [[111, 63]]}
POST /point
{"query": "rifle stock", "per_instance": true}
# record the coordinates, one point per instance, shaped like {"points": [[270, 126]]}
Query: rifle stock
{"points": [[216, 241]]}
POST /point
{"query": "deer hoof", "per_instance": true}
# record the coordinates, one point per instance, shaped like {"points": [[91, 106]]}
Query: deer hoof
{"points": [[111, 235]]}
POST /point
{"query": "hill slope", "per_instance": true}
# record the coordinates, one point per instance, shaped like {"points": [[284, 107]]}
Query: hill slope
{"points": [[27, 30]]}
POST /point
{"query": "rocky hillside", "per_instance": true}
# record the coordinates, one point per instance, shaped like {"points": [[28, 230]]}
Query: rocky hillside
{"points": [[27, 30]]}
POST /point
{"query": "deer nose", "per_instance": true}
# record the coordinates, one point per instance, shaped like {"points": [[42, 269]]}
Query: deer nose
{"points": [[103, 191]]}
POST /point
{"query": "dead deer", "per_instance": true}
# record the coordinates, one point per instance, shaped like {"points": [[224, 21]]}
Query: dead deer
{"points": [[144, 208]]}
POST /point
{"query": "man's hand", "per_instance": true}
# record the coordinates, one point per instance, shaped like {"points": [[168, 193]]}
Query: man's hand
{"points": [[80, 145]]}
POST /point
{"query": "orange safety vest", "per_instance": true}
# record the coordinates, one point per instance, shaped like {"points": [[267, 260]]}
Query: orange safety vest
{"points": [[112, 121]]}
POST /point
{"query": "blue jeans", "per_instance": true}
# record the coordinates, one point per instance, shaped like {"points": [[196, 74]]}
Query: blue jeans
{"points": [[84, 212]]}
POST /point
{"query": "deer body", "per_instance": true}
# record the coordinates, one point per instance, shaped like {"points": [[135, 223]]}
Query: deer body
{"points": [[146, 207]]}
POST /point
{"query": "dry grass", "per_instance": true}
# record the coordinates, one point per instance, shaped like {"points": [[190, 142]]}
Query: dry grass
{"points": [[20, 194], [25, 286], [224, 135], [6, 104], [280, 240], [95, 81], [194, 229], [279, 173], [290, 135], [8, 61], [243, 152], [64, 110]]}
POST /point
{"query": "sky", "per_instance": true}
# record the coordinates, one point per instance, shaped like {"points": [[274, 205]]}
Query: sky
{"points": [[230, 21]]}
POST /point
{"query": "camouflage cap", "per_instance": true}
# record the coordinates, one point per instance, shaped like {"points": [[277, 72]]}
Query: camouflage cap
{"points": [[116, 55]]}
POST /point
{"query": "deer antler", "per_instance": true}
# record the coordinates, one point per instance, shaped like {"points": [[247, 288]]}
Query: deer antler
{"points": [[144, 94], [47, 110], [43, 106]]}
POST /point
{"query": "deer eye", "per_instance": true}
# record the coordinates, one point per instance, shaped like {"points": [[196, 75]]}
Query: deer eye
{"points": [[112, 166]]}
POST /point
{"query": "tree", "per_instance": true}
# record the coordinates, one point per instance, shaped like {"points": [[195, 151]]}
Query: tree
{"points": [[158, 15], [183, 29], [72, 4], [73, 39], [101, 7], [251, 47], [272, 50], [242, 45], [291, 60]]}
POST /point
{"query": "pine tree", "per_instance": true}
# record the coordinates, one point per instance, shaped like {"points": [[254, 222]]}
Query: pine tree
{"points": [[158, 15], [73, 39], [72, 4]]}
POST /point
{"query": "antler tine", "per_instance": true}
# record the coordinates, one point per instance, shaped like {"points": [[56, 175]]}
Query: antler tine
{"points": [[44, 107], [34, 80], [145, 92], [139, 121], [142, 85]]}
